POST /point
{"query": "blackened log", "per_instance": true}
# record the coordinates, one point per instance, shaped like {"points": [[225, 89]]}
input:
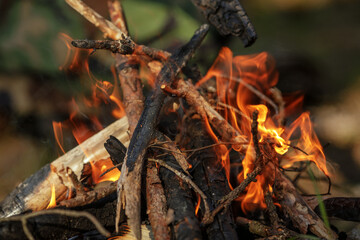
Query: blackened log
{"points": [[180, 201], [130, 180], [209, 174], [229, 18], [116, 149], [342, 207], [56, 226]]}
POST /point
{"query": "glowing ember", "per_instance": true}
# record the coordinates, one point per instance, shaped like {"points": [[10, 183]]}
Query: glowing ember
{"points": [[52, 202], [244, 84], [100, 167]]}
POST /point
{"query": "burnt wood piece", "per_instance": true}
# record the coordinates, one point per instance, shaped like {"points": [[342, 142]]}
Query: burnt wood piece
{"points": [[123, 46], [179, 201], [342, 207], [130, 179], [56, 226], [229, 17], [116, 149], [209, 175], [156, 203]]}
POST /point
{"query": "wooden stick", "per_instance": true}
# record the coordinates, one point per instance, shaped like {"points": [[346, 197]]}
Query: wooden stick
{"points": [[107, 27], [156, 203], [169, 145], [181, 208], [130, 179], [133, 99], [122, 46], [34, 193]]}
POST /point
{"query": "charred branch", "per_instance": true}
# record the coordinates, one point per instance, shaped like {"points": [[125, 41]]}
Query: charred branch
{"points": [[130, 180], [123, 46], [180, 204], [209, 174], [229, 18]]}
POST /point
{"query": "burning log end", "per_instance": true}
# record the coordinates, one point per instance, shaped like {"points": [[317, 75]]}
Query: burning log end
{"points": [[122, 46]]}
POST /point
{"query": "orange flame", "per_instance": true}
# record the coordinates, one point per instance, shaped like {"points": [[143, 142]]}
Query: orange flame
{"points": [[100, 167], [52, 202], [197, 207], [57, 127], [83, 118], [243, 86], [76, 53]]}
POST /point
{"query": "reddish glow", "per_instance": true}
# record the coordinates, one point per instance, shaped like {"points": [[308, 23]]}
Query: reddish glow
{"points": [[52, 202], [244, 85], [100, 167]]}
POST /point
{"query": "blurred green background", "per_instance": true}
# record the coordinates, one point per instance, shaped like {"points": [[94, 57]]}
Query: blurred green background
{"points": [[316, 44]]}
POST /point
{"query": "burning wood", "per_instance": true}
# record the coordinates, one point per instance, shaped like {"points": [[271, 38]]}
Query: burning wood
{"points": [[227, 161]]}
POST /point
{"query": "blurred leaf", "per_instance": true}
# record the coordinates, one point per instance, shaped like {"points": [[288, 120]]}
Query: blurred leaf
{"points": [[146, 19]]}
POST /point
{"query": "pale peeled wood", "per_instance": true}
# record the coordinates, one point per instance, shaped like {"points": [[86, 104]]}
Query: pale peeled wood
{"points": [[34, 193]]}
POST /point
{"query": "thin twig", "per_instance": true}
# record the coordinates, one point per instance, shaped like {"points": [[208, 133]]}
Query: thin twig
{"points": [[70, 213], [122, 46], [107, 27], [187, 180]]}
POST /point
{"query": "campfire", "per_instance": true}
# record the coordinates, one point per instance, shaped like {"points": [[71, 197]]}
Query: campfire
{"points": [[201, 157]]}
